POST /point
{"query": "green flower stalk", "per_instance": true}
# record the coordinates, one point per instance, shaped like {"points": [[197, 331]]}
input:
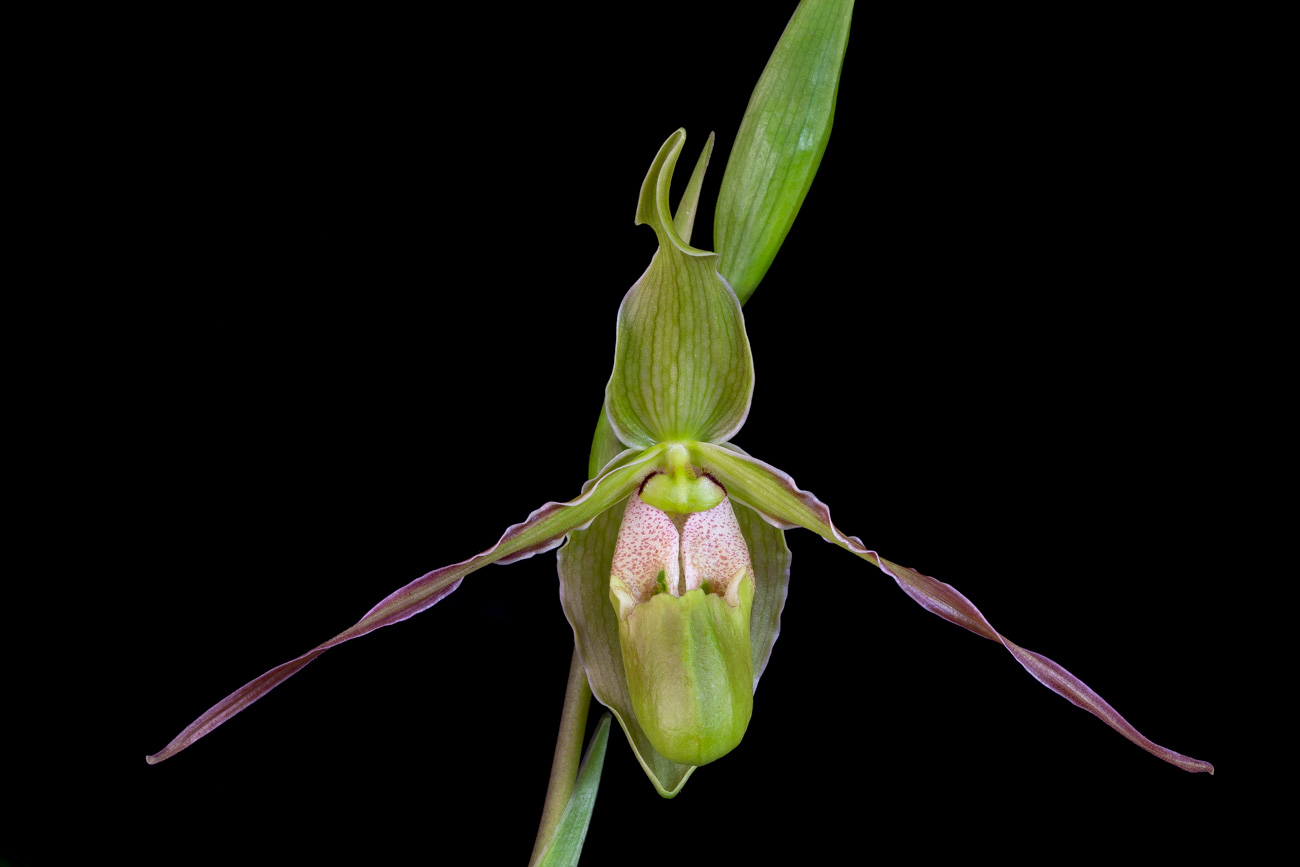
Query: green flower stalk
{"points": [[675, 570]]}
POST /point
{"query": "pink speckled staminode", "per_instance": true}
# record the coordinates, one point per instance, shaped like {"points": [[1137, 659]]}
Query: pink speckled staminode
{"points": [[710, 548], [714, 550], [647, 542]]}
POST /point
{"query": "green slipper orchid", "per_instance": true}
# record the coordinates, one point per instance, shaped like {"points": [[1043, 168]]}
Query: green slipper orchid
{"points": [[680, 389], [675, 570]]}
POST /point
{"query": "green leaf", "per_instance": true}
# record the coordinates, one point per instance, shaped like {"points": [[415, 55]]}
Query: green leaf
{"points": [[780, 142], [566, 845], [682, 366]]}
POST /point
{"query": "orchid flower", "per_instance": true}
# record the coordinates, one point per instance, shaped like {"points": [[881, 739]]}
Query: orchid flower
{"points": [[674, 567]]}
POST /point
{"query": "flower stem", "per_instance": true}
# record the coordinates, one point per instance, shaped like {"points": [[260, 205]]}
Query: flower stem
{"points": [[568, 754]]}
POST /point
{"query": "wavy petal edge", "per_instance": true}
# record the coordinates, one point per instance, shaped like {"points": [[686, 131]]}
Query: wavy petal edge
{"points": [[544, 530], [775, 496]]}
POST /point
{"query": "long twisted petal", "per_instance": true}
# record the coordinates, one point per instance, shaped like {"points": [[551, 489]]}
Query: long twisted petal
{"points": [[774, 495], [544, 530]]}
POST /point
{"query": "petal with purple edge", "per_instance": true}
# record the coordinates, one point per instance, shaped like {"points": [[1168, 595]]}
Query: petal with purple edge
{"points": [[774, 495], [544, 530], [947, 602]]}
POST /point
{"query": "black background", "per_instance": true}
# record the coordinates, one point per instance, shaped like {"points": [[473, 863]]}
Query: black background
{"points": [[384, 258]]}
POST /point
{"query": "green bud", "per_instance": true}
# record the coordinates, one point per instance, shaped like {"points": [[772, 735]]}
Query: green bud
{"points": [[686, 652]]}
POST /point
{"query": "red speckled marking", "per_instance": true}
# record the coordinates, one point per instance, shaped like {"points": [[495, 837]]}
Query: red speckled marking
{"points": [[714, 550], [647, 542]]}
